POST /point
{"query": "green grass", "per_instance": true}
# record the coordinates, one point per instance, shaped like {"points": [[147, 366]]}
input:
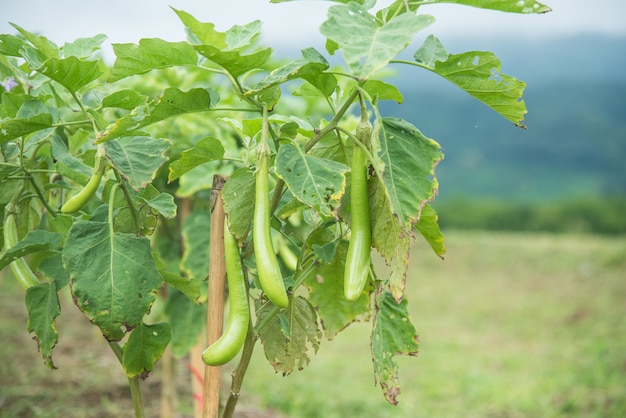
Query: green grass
{"points": [[511, 325]]}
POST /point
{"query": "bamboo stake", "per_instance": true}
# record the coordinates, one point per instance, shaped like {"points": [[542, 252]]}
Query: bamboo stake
{"points": [[215, 309]]}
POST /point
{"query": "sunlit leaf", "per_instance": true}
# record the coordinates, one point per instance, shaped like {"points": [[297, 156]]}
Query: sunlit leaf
{"points": [[310, 64], [114, 277], [83, 47], [429, 228], [366, 44], [316, 182], [235, 62], [171, 103], [150, 54], [163, 203], [145, 345], [205, 150], [137, 157], [409, 160], [379, 90], [42, 304], [45, 46], [393, 334], [124, 99], [71, 72], [513, 6], [15, 128], [478, 73]]}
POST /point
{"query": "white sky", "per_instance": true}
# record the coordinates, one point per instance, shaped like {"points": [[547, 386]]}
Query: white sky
{"points": [[292, 22]]}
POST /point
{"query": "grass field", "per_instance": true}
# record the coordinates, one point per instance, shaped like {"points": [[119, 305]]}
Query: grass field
{"points": [[511, 325]]}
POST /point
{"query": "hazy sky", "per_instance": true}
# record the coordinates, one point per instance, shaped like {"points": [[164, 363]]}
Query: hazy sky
{"points": [[296, 22]]}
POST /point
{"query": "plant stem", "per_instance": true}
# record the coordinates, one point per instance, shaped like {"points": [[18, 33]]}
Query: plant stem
{"points": [[133, 383], [239, 373]]}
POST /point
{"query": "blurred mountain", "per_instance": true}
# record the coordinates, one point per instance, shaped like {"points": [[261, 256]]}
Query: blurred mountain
{"points": [[575, 145]]}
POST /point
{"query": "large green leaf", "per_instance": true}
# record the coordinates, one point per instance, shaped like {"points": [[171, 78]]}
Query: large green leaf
{"points": [[408, 163], [316, 182], [114, 277], [187, 320], [137, 157], [478, 73], [429, 228], [67, 164], [288, 336], [33, 242], [71, 73], [390, 237], [310, 64], [196, 235], [235, 62], [325, 283], [42, 304], [145, 345], [83, 47], [124, 99], [171, 103], [15, 128], [368, 45], [205, 150], [513, 6], [237, 194], [43, 45], [393, 334], [150, 54]]}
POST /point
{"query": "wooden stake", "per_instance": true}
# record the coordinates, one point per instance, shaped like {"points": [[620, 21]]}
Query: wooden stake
{"points": [[215, 309]]}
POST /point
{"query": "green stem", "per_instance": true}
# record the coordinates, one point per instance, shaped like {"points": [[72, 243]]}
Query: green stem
{"points": [[239, 373], [133, 383], [333, 123]]}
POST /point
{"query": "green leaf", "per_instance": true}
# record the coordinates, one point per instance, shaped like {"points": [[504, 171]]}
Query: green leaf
{"points": [[393, 334], [513, 6], [71, 72], [196, 238], [409, 159], [190, 287], [205, 150], [150, 54], [66, 164], [379, 90], [15, 128], [52, 268], [124, 99], [286, 346], [478, 73], [172, 102], [145, 345], [316, 182], [237, 194], [201, 33], [235, 62], [325, 284], [163, 203], [42, 304], [311, 64], [367, 45], [35, 241], [137, 158], [83, 47], [114, 277], [187, 320], [390, 237], [429, 228], [11, 45], [45, 46]]}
